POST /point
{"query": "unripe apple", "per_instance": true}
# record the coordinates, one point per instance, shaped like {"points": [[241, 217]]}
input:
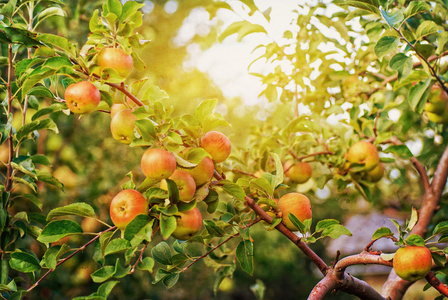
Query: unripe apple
{"points": [[185, 184], [297, 204], [364, 153], [437, 101], [116, 59], [82, 97], [375, 174], [116, 107], [412, 263], [299, 172], [189, 224], [125, 206], [158, 164], [217, 145], [203, 172], [122, 126], [438, 118]]}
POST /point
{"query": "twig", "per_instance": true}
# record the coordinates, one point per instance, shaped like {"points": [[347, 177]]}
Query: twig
{"points": [[68, 257], [8, 183], [139, 258]]}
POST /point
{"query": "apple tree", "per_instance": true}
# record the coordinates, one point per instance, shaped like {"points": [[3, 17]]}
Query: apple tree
{"points": [[363, 84]]}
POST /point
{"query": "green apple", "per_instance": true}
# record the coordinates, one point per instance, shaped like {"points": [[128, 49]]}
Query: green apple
{"points": [[298, 172], [116, 59], [375, 174], [364, 153], [122, 126], [438, 118], [158, 164], [82, 97], [412, 263], [437, 101], [217, 145], [125, 206], [297, 204], [185, 184], [189, 223]]}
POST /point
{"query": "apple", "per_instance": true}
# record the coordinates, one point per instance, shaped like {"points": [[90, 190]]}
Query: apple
{"points": [[375, 174], [116, 59], [297, 204], [82, 97], [158, 164], [125, 206], [185, 184], [299, 172], [203, 172], [438, 118], [122, 126], [412, 263], [364, 153], [115, 108], [437, 101], [189, 224], [217, 145]]}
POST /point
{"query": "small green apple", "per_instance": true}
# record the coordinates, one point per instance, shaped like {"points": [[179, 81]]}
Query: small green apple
{"points": [[364, 153], [375, 174], [189, 224], [122, 126], [298, 172], [412, 263]]}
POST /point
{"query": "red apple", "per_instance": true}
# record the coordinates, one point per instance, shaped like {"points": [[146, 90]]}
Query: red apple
{"points": [[217, 145], [122, 126], [158, 164], [297, 204], [364, 153], [125, 206], [82, 97], [412, 263], [117, 60], [203, 172], [185, 184], [299, 172], [189, 224]]}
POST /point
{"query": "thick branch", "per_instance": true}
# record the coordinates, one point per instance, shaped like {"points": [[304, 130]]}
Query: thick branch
{"points": [[437, 284], [320, 290], [364, 258], [291, 236]]}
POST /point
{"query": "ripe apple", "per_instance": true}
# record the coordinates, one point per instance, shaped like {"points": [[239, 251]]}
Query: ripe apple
{"points": [[364, 153], [117, 60], [297, 204], [125, 206], [122, 126], [158, 164], [412, 263], [82, 97], [299, 172], [185, 184], [203, 172], [375, 174], [189, 224], [217, 145]]}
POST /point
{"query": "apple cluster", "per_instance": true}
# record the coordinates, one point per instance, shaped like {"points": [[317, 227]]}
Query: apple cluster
{"points": [[365, 156]]}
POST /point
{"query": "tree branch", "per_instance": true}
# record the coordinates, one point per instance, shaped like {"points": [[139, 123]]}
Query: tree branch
{"points": [[437, 284]]}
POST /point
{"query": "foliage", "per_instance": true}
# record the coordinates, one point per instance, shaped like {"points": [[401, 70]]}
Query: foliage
{"points": [[370, 83]]}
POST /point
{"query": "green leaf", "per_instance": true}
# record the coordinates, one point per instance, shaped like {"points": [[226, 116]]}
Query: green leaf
{"points": [[415, 7], [402, 64], [415, 240], [205, 108], [8, 8], [129, 9], [139, 229], [22, 36], [58, 41], [78, 209], [24, 262], [392, 19], [50, 12], [58, 229], [335, 231], [103, 274], [213, 229], [381, 232], [400, 150], [297, 223], [36, 125], [245, 256], [146, 264], [441, 228], [368, 5], [167, 225], [258, 289], [386, 45], [242, 28], [115, 7], [35, 200], [48, 110], [322, 224], [162, 253], [262, 185], [234, 190], [413, 220], [146, 129], [117, 245], [41, 91], [418, 94], [52, 255], [278, 169], [426, 28], [106, 288]]}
